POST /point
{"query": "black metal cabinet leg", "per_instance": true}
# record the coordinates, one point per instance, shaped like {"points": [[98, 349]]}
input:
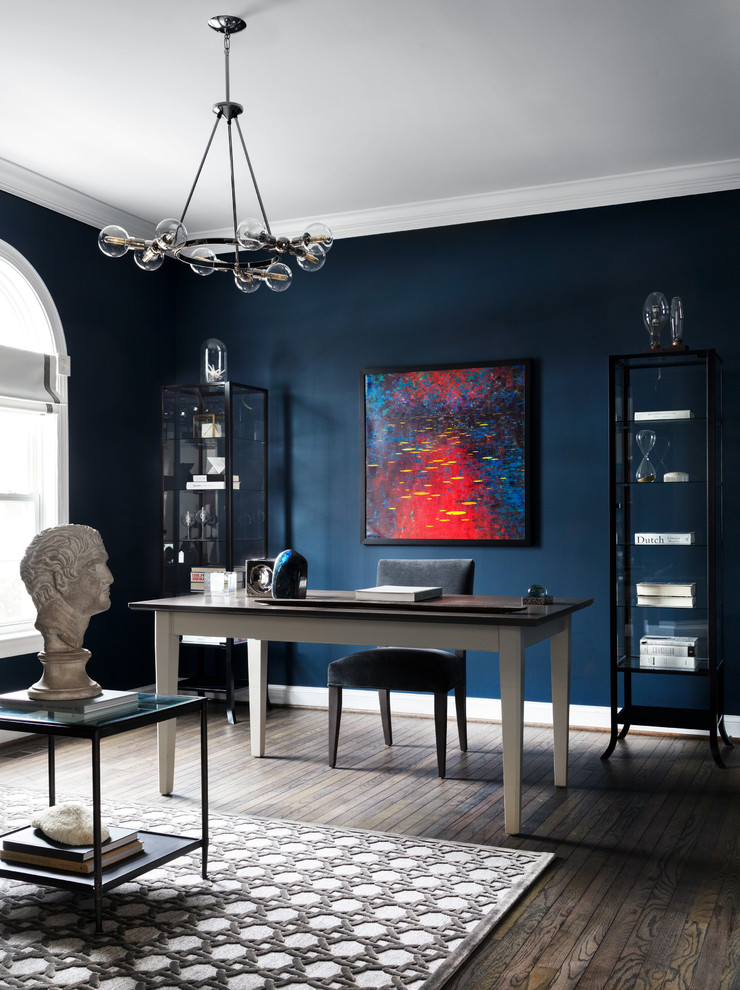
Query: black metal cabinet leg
{"points": [[97, 842], [52, 771], [204, 785], [230, 704]]}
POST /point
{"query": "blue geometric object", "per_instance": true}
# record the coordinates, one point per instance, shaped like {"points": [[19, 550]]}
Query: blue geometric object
{"points": [[290, 575]]}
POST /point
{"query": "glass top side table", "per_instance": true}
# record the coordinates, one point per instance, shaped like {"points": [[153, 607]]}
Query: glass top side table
{"points": [[159, 848]]}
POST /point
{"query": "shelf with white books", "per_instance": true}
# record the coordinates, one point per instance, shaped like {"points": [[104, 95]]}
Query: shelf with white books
{"points": [[665, 483]]}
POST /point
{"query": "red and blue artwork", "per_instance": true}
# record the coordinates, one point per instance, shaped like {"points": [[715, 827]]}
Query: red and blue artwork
{"points": [[446, 453]]}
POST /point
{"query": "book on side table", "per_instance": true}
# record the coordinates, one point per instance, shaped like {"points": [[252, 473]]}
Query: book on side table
{"points": [[30, 847], [106, 703]]}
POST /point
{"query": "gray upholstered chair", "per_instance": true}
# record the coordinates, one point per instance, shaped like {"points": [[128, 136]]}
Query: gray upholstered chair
{"points": [[404, 669]]}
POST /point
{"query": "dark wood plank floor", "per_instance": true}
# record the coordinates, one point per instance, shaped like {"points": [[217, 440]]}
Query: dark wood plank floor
{"points": [[645, 887]]}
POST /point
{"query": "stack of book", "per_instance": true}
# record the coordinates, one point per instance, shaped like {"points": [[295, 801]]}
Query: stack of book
{"points": [[397, 593], [666, 595], [30, 847], [669, 652], [75, 709], [210, 482]]}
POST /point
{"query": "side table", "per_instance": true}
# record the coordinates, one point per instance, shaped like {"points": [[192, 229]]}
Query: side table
{"points": [[159, 848]]}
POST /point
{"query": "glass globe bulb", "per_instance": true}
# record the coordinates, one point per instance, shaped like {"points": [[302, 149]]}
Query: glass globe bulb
{"points": [[112, 241], [655, 313], [170, 234], [246, 283], [251, 234], [319, 233], [313, 259], [279, 277], [148, 264], [201, 254]]}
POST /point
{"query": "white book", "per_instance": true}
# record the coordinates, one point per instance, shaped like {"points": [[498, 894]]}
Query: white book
{"points": [[666, 601], [664, 539], [397, 593], [668, 647], [676, 589], [669, 663], [204, 486], [646, 416]]}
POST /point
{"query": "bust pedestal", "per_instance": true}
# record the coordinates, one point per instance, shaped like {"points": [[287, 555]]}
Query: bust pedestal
{"points": [[64, 677]]}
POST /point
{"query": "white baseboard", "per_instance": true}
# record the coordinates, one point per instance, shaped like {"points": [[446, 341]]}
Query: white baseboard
{"points": [[479, 709]]}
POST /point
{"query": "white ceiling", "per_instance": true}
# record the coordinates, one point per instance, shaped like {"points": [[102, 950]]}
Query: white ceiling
{"points": [[369, 116]]}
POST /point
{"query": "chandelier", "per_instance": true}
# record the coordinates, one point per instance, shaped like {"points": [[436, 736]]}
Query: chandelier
{"points": [[249, 237]]}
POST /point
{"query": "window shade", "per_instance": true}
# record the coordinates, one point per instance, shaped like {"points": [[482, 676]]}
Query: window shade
{"points": [[28, 375]]}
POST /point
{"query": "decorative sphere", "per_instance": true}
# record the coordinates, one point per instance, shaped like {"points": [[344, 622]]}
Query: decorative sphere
{"points": [[112, 241], [537, 591]]}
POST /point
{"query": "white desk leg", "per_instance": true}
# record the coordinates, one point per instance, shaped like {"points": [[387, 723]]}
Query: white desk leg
{"points": [[166, 658], [511, 667], [560, 674], [257, 660]]}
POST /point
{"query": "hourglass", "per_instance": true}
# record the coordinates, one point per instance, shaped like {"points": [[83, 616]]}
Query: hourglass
{"points": [[646, 442]]}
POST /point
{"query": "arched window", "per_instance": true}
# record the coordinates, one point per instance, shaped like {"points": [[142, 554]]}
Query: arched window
{"points": [[33, 436]]}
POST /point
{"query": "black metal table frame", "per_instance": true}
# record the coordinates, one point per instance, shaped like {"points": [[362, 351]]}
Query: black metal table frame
{"points": [[163, 848]]}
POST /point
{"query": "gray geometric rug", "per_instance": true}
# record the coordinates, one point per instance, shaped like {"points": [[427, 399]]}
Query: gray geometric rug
{"points": [[287, 906]]}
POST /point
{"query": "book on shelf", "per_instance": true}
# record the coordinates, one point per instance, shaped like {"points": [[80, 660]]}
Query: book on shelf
{"points": [[33, 841], [677, 590], [210, 486], [669, 646], [198, 576], [647, 415], [668, 663], [667, 601], [397, 593], [105, 703], [85, 867], [664, 539], [212, 477]]}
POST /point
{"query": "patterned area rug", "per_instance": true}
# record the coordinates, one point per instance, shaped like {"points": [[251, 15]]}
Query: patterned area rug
{"points": [[287, 906]]}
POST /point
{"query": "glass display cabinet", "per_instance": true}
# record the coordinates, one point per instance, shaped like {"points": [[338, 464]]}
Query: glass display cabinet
{"points": [[214, 497], [665, 481]]}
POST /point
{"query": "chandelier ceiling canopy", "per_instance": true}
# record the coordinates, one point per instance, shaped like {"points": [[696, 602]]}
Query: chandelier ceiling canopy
{"points": [[257, 253]]}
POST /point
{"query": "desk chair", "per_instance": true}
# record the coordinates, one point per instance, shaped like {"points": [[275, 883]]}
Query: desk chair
{"points": [[393, 668]]}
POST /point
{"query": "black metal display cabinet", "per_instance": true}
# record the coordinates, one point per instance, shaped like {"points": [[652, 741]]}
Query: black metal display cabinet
{"points": [[665, 483], [214, 503]]}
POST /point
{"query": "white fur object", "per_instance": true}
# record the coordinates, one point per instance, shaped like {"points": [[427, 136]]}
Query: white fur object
{"points": [[69, 823]]}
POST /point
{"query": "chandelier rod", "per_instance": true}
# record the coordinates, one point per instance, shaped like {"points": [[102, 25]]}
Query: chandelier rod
{"points": [[200, 167], [254, 179]]}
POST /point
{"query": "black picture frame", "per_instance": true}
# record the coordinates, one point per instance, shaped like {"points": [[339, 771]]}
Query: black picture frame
{"points": [[447, 454]]}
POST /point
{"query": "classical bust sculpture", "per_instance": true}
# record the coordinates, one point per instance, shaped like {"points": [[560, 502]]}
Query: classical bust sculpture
{"points": [[65, 572]]}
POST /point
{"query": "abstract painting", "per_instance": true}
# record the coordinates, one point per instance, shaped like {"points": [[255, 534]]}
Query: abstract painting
{"points": [[447, 454]]}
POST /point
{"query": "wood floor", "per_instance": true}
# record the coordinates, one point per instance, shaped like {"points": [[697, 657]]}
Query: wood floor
{"points": [[645, 887]]}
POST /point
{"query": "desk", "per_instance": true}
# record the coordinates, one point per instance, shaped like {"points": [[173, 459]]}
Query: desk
{"points": [[465, 622]]}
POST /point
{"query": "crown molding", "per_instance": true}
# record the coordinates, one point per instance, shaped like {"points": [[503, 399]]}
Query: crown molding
{"points": [[687, 180], [39, 189]]}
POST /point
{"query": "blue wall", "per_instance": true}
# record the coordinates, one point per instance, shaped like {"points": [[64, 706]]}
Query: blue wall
{"points": [[118, 322], [564, 289]]}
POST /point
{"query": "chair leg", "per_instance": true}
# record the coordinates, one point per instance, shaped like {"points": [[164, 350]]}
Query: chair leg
{"points": [[384, 697], [335, 717], [440, 730], [461, 710]]}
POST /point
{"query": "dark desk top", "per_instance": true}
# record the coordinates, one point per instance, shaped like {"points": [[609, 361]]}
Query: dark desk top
{"points": [[491, 609]]}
